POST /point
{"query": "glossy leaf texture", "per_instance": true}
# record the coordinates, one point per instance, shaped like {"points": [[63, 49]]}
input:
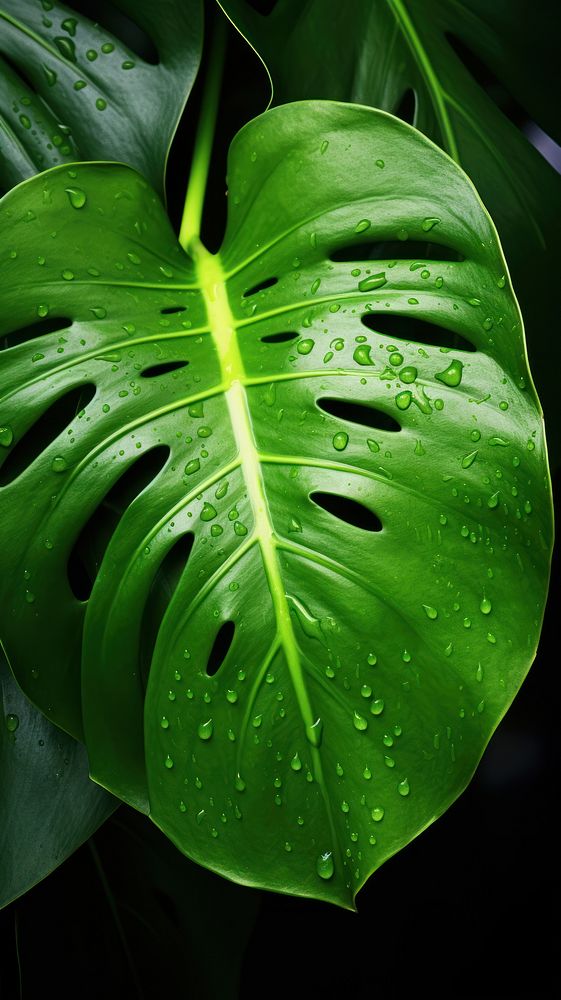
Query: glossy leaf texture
{"points": [[70, 89], [331, 447], [457, 71], [49, 805]]}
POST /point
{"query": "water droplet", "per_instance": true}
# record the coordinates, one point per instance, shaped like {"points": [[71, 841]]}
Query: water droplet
{"points": [[366, 691], [485, 606], [69, 25], [50, 75], [468, 460], [372, 659], [168, 762], [428, 224], [12, 722], [208, 512], [315, 285], [100, 104], [403, 399], [360, 722], [408, 374], [323, 147], [67, 274], [377, 706], [192, 466], [361, 355], [206, 730], [340, 441], [430, 612], [395, 359], [296, 763], [377, 814], [493, 500], [362, 226], [314, 733], [76, 197], [403, 787], [58, 464], [325, 866], [345, 807], [451, 376], [6, 436], [372, 281], [66, 48], [305, 346]]}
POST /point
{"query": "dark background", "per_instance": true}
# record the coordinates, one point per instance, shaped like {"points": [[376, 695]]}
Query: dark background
{"points": [[467, 910]]}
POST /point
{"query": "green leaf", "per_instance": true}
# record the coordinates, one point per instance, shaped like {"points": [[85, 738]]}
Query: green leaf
{"points": [[48, 804], [70, 89], [377, 51], [258, 415]]}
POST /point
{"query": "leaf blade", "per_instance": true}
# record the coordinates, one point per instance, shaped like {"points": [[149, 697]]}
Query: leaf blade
{"points": [[226, 762]]}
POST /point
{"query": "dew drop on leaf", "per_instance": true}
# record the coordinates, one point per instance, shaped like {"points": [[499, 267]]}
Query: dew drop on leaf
{"points": [[205, 730], [76, 197], [324, 865]]}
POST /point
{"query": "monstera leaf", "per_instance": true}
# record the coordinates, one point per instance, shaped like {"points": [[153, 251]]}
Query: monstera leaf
{"points": [[70, 89], [332, 448], [458, 65], [48, 804]]}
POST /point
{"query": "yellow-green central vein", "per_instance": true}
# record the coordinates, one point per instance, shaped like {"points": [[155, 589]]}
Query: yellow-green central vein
{"points": [[223, 329]]}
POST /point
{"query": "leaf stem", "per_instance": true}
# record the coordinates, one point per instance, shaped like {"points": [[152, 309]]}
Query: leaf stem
{"points": [[204, 137]]}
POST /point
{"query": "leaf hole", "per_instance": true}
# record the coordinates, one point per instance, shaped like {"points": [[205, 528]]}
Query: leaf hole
{"points": [[87, 553], [394, 250], [220, 647], [167, 366], [279, 338], [406, 108], [162, 589], [44, 431], [359, 413], [268, 283], [415, 331], [52, 324], [350, 511], [171, 310]]}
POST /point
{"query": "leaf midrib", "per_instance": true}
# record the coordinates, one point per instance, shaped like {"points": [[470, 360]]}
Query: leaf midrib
{"points": [[222, 325]]}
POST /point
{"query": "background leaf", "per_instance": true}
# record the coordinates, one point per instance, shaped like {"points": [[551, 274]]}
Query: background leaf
{"points": [[48, 804], [137, 915], [72, 89], [333, 390], [478, 78]]}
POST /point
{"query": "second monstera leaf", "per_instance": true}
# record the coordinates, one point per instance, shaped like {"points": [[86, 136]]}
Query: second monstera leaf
{"points": [[330, 446]]}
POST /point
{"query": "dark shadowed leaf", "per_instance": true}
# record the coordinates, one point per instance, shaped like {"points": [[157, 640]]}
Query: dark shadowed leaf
{"points": [[72, 89], [48, 804]]}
